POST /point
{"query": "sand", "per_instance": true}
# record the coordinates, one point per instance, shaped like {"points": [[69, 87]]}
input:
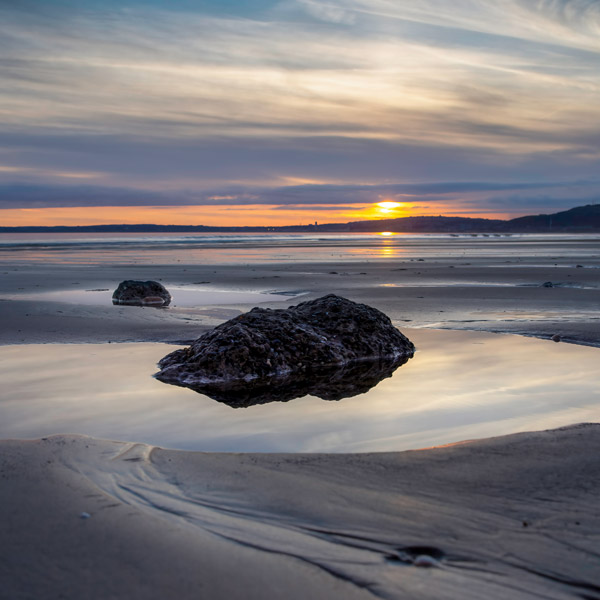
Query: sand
{"points": [[512, 517], [496, 294]]}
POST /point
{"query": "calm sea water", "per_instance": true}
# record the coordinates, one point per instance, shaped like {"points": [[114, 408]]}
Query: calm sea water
{"points": [[235, 248], [460, 385]]}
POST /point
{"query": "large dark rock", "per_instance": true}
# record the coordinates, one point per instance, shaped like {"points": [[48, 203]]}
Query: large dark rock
{"points": [[291, 352], [141, 293]]}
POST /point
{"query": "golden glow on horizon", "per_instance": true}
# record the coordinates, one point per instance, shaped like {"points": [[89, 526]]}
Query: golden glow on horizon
{"points": [[386, 233], [225, 216]]}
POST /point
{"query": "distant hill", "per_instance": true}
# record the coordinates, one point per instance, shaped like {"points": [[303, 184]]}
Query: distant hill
{"points": [[580, 219], [423, 224]]}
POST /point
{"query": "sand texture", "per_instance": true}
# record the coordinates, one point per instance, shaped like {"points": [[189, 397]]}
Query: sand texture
{"points": [[511, 517], [488, 293]]}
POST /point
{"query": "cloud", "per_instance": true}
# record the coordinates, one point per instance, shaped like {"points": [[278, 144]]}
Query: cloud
{"points": [[561, 22], [537, 202], [397, 71], [482, 195], [314, 207], [159, 96]]}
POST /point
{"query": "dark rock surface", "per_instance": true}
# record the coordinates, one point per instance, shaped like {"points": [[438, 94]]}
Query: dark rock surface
{"points": [[141, 293], [307, 348]]}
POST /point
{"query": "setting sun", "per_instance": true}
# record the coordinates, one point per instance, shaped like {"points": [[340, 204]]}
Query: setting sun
{"points": [[387, 206]]}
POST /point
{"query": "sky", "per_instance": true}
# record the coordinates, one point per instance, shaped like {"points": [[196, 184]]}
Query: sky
{"points": [[272, 112]]}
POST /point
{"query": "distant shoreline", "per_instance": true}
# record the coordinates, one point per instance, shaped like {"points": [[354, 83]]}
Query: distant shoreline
{"points": [[581, 219]]}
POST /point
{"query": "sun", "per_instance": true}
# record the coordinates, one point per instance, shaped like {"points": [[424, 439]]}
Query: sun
{"points": [[387, 206]]}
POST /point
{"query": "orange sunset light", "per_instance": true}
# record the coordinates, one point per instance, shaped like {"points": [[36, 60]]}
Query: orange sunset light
{"points": [[387, 205], [249, 215], [384, 209]]}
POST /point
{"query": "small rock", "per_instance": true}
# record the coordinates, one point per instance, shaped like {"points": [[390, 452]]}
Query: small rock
{"points": [[141, 293], [556, 338], [84, 515], [547, 284]]}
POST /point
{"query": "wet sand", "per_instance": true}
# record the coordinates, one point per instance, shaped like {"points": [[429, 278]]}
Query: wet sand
{"points": [[498, 294], [513, 517]]}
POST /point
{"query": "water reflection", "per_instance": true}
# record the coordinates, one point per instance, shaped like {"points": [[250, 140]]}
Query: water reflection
{"points": [[333, 383], [197, 248], [188, 296], [459, 385]]}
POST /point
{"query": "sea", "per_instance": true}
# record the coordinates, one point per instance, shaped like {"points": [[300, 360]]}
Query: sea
{"points": [[236, 248]]}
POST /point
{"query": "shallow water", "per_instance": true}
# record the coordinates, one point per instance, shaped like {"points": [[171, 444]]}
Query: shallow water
{"points": [[188, 296], [460, 385], [240, 248]]}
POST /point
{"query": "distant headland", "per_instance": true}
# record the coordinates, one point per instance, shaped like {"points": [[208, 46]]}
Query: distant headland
{"points": [[581, 219]]}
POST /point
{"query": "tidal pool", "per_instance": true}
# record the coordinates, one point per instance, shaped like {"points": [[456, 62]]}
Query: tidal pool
{"points": [[189, 296], [459, 385]]}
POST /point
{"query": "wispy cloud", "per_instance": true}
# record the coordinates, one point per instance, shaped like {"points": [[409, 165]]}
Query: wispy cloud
{"points": [[393, 71], [482, 196], [146, 95]]}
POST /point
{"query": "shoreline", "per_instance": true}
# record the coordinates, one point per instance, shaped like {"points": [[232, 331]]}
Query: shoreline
{"points": [[510, 516], [476, 294]]}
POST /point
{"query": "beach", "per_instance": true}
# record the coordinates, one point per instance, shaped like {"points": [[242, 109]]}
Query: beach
{"points": [[485, 284], [512, 517], [504, 517]]}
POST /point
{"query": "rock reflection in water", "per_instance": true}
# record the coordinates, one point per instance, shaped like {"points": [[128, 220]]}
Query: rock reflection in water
{"points": [[330, 383]]}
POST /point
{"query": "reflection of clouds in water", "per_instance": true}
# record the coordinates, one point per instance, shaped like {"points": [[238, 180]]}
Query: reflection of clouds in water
{"points": [[459, 385]]}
